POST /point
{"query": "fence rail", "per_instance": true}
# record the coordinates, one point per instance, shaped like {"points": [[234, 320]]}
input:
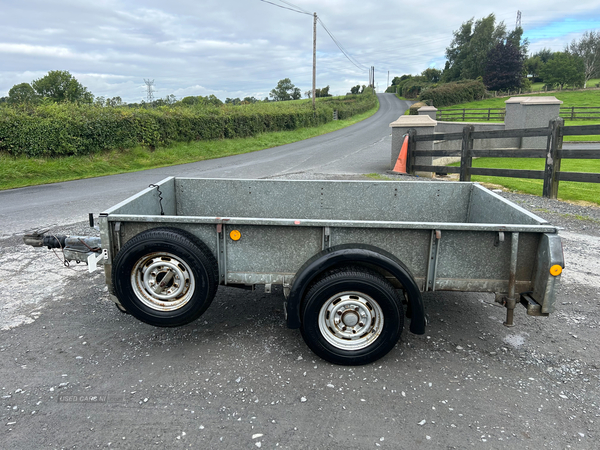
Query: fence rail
{"points": [[487, 114], [553, 154], [467, 114]]}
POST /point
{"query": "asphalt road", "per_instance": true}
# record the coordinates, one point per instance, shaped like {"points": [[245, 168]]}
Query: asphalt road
{"points": [[361, 148], [76, 373]]}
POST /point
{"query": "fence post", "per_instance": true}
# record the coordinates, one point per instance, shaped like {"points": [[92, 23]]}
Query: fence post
{"points": [[466, 160], [552, 167]]}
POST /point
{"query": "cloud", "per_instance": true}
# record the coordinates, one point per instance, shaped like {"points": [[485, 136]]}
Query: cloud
{"points": [[45, 51], [239, 48]]}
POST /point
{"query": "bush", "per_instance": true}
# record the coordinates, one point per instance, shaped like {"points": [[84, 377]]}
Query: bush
{"points": [[453, 93], [526, 85], [411, 88], [61, 129], [414, 108]]}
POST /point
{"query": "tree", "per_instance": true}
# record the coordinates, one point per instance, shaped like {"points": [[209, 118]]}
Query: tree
{"points": [[544, 54], [212, 99], [22, 93], [296, 94], [114, 101], [60, 86], [588, 49], [504, 68], [532, 66], [563, 69], [397, 80], [355, 89], [467, 53], [322, 92], [430, 74], [285, 90], [199, 100]]}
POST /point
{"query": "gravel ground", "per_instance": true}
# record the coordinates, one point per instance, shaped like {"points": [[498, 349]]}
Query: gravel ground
{"points": [[238, 378]]}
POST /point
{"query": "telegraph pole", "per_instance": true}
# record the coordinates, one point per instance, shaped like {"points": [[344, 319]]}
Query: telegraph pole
{"points": [[373, 78], [314, 87]]}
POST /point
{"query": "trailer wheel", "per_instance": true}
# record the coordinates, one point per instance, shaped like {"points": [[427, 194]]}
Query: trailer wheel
{"points": [[165, 277], [352, 316]]}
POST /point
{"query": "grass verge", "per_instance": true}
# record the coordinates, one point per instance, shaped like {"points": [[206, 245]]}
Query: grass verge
{"points": [[586, 192], [22, 171]]}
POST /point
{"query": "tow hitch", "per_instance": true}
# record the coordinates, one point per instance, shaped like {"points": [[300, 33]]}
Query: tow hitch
{"points": [[74, 248]]}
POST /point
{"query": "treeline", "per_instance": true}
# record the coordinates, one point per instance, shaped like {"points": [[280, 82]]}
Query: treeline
{"points": [[483, 56], [79, 128], [60, 86]]}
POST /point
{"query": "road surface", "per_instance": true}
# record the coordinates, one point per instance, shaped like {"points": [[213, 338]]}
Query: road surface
{"points": [[360, 148], [76, 373]]}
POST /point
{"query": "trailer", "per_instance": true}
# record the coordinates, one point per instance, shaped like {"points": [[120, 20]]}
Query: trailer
{"points": [[352, 257]]}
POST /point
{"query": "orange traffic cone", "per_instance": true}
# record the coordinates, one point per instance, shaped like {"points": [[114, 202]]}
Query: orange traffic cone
{"points": [[400, 166]]}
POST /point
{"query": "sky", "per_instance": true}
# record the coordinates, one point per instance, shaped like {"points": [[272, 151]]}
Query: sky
{"points": [[242, 48]]}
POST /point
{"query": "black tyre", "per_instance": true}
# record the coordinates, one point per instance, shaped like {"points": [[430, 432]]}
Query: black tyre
{"points": [[165, 277], [352, 316]]}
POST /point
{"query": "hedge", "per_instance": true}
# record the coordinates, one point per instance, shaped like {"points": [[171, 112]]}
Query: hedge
{"points": [[412, 88], [453, 93], [71, 129]]}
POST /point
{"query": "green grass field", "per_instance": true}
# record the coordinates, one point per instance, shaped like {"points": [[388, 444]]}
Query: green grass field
{"points": [[569, 99], [23, 171], [586, 192], [590, 84]]}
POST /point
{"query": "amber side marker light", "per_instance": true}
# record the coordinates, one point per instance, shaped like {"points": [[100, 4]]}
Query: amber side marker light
{"points": [[555, 270], [235, 235]]}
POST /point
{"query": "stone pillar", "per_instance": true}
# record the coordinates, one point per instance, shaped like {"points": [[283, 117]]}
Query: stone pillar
{"points": [[531, 112], [424, 125], [430, 111]]}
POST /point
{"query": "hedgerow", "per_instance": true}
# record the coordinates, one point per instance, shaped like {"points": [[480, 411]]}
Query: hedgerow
{"points": [[61, 129], [453, 93]]}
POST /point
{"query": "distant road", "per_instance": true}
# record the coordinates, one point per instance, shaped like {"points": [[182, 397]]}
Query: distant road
{"points": [[360, 148]]}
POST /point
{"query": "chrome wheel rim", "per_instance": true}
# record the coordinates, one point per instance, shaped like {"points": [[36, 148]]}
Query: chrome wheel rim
{"points": [[162, 281], [351, 320]]}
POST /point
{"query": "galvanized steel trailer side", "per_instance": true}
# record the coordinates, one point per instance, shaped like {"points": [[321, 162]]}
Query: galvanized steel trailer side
{"points": [[450, 236]]}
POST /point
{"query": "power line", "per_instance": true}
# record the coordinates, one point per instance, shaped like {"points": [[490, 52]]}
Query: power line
{"points": [[339, 45], [294, 6], [284, 7], [291, 7]]}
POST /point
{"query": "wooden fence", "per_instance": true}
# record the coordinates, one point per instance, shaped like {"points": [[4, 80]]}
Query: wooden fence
{"points": [[553, 153], [486, 114], [468, 114], [580, 113]]}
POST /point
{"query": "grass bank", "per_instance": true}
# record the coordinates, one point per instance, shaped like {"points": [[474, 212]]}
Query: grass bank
{"points": [[23, 171]]}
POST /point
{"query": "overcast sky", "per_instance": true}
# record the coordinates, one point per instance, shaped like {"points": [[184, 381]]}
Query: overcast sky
{"points": [[239, 48]]}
